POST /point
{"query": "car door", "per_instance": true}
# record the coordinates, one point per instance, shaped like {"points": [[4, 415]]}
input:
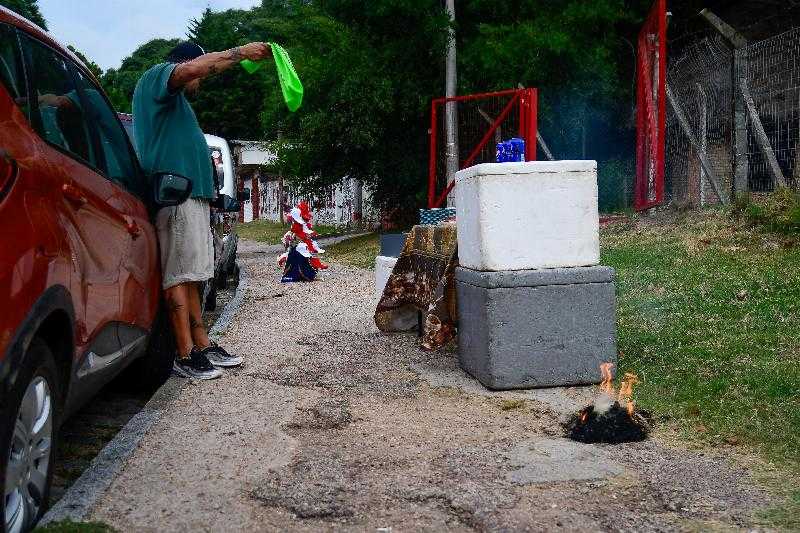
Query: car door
{"points": [[139, 270], [97, 234]]}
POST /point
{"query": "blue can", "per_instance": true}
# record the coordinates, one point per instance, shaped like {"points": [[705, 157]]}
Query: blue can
{"points": [[501, 152], [517, 149]]}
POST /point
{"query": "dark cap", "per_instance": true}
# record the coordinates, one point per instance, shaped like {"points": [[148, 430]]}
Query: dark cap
{"points": [[185, 51]]}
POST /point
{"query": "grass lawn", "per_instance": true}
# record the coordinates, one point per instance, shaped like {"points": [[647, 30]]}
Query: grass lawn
{"points": [[359, 251], [68, 526], [709, 317], [271, 232]]}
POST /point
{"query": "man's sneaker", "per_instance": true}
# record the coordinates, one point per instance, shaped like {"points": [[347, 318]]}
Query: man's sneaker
{"points": [[219, 357], [196, 366]]}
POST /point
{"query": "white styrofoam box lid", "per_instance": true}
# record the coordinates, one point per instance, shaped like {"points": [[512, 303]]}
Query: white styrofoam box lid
{"points": [[538, 214], [528, 167]]}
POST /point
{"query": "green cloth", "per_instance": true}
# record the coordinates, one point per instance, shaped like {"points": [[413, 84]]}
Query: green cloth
{"points": [[166, 133], [291, 87]]}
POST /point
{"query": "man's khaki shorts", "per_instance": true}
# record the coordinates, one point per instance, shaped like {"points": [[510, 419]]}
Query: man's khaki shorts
{"points": [[187, 245]]}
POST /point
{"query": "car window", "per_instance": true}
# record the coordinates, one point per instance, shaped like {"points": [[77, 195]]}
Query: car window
{"points": [[61, 118], [117, 159], [12, 75]]}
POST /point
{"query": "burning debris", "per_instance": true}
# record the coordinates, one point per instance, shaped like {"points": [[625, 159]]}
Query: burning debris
{"points": [[613, 417]]}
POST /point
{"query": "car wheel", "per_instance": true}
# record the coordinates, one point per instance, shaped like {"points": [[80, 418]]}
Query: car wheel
{"points": [[152, 369], [27, 440], [210, 302], [236, 274], [222, 279]]}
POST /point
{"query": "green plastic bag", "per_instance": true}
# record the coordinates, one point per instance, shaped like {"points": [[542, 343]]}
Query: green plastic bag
{"points": [[291, 87]]}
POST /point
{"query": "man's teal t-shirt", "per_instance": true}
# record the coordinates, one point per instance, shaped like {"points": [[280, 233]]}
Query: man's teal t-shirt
{"points": [[167, 135]]}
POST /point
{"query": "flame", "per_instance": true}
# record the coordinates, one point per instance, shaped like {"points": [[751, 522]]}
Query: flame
{"points": [[625, 394], [607, 384], [626, 391], [584, 416]]}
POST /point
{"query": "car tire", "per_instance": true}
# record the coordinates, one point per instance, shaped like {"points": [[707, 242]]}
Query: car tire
{"points": [[222, 279], [236, 273], [37, 386], [210, 302], [152, 369]]}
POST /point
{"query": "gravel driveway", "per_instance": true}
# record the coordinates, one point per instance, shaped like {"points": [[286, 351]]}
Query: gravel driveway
{"points": [[331, 425]]}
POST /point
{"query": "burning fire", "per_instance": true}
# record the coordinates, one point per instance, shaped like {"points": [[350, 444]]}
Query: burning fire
{"points": [[612, 417], [625, 394]]}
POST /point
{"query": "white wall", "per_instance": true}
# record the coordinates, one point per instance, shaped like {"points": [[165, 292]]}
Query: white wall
{"points": [[248, 205], [334, 207]]}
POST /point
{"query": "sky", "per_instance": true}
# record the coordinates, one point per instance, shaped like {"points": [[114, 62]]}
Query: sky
{"points": [[107, 31]]}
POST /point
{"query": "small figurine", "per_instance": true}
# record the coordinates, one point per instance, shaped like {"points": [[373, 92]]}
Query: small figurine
{"points": [[300, 262]]}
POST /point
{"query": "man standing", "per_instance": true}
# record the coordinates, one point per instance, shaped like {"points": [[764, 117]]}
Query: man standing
{"points": [[169, 139]]}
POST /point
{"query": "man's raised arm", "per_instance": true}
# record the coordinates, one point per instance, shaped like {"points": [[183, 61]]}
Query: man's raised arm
{"points": [[215, 62]]}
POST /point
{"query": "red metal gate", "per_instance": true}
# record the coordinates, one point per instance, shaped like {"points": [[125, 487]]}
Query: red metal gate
{"points": [[483, 119], [651, 108]]}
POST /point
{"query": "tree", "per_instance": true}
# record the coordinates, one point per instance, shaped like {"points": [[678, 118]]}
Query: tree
{"points": [[230, 104], [120, 83], [370, 70], [91, 65], [28, 9], [573, 51]]}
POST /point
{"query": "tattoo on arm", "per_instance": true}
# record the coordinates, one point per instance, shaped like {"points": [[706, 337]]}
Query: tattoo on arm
{"points": [[235, 54], [194, 323]]}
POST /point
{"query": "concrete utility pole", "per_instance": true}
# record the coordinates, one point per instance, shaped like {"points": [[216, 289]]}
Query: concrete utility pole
{"points": [[451, 108], [739, 43]]}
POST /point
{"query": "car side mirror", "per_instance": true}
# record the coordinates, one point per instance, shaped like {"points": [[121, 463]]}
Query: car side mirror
{"points": [[170, 189], [226, 204], [244, 195]]}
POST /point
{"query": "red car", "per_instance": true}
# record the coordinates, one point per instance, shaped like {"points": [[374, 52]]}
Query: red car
{"points": [[79, 267]]}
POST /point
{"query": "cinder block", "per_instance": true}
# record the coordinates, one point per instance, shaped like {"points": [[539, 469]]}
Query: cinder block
{"points": [[540, 214], [536, 328]]}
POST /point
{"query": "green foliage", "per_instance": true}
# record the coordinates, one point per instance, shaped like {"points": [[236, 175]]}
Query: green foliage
{"points": [[68, 526], [28, 9], [574, 51], [370, 70], [777, 211], [91, 65], [708, 317], [120, 83], [614, 180], [230, 104], [785, 516], [368, 83]]}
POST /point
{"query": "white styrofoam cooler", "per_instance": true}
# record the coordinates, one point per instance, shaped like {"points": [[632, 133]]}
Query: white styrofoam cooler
{"points": [[383, 269], [539, 214]]}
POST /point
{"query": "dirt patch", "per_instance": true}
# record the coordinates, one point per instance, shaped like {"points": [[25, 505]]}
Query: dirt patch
{"points": [[328, 413], [347, 362], [333, 426], [411, 456]]}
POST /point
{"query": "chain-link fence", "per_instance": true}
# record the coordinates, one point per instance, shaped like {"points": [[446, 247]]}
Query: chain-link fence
{"points": [[699, 123], [718, 96], [772, 71]]}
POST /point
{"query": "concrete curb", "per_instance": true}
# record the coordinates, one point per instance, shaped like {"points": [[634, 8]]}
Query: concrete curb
{"points": [[224, 319], [87, 489], [81, 497]]}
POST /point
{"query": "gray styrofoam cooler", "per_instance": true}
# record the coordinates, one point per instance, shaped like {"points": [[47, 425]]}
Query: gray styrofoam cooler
{"points": [[536, 328]]}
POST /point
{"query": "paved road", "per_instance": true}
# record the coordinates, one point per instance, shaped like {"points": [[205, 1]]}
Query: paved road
{"points": [[332, 425]]}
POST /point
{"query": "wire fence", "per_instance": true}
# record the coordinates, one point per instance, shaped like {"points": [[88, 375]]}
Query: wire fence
{"points": [[772, 71], [712, 89]]}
